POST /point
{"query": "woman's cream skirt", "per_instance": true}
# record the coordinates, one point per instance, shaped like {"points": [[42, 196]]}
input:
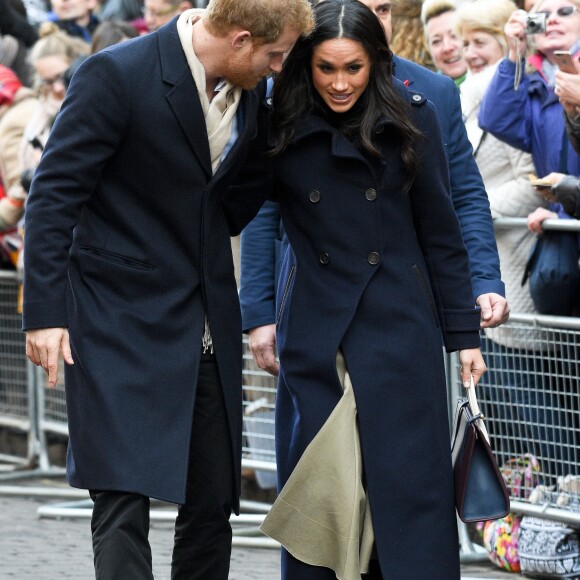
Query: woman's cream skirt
{"points": [[322, 515]]}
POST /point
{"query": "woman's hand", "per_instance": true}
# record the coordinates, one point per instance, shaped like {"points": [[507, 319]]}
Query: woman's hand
{"points": [[472, 364], [536, 218], [515, 31], [546, 191], [567, 89]]}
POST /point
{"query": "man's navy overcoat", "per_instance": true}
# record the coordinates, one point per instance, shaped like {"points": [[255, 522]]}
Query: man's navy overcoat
{"points": [[127, 246]]}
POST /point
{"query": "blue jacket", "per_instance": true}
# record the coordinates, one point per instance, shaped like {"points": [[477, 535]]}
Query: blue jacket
{"points": [[263, 240], [530, 119]]}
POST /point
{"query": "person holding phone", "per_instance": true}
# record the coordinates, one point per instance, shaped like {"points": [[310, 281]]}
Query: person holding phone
{"points": [[523, 108], [531, 117]]}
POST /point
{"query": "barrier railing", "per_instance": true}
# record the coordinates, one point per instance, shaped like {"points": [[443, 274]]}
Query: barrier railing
{"points": [[17, 388], [531, 398], [531, 395]]}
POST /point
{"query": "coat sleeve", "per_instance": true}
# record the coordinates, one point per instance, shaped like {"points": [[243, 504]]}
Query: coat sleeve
{"points": [[253, 185], [258, 267], [467, 189], [504, 112], [573, 131], [85, 135], [441, 240], [471, 204]]}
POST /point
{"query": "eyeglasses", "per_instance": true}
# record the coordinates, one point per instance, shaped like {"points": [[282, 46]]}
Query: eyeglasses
{"points": [[158, 13], [49, 83], [562, 12]]}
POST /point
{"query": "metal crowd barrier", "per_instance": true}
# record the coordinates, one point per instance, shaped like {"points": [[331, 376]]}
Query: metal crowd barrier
{"points": [[259, 393], [17, 388], [29, 406], [531, 397]]}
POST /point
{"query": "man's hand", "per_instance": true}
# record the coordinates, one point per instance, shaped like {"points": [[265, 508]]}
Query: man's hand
{"points": [[262, 341], [494, 310], [43, 346]]}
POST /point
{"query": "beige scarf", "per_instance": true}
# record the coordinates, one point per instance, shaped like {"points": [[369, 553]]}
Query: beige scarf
{"points": [[219, 113]]}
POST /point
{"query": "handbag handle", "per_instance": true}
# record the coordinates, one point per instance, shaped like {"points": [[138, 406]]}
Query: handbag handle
{"points": [[475, 410]]}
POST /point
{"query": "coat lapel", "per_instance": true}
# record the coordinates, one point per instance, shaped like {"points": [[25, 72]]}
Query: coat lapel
{"points": [[182, 95]]}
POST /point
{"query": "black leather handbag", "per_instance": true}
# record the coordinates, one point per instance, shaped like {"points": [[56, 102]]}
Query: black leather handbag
{"points": [[480, 490]]}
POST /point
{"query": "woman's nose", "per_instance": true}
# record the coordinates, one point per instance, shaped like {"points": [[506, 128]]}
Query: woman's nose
{"points": [[339, 83]]}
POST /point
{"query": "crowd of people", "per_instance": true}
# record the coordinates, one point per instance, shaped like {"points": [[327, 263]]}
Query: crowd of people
{"points": [[41, 46], [363, 149]]}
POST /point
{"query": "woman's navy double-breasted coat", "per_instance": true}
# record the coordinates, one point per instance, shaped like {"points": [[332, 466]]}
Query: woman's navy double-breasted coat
{"points": [[128, 246], [383, 276]]}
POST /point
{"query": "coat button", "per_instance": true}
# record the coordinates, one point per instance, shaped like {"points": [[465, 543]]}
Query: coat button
{"points": [[417, 98], [371, 194], [314, 196], [374, 258], [324, 258]]}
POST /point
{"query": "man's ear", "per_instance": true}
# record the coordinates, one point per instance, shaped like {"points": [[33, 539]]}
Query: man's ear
{"points": [[241, 39]]}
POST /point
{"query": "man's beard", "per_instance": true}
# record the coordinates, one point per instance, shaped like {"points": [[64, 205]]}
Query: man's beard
{"points": [[239, 71]]}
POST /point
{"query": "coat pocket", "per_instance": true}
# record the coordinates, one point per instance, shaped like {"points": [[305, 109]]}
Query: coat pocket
{"points": [[285, 294], [116, 258], [427, 292]]}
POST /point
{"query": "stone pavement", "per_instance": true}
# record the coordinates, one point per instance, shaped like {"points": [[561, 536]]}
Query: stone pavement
{"points": [[33, 548]]}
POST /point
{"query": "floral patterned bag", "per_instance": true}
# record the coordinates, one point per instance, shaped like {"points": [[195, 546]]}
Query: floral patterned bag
{"points": [[550, 549]]}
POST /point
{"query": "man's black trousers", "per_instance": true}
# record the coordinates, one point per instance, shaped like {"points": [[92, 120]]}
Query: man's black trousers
{"points": [[203, 536]]}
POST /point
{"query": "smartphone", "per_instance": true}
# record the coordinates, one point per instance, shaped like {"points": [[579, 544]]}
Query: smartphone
{"points": [[565, 61]]}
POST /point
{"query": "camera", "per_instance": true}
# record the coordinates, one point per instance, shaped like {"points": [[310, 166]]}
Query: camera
{"points": [[536, 23]]}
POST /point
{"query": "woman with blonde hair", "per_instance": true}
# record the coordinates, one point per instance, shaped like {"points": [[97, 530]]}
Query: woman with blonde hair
{"points": [[504, 168], [437, 17], [522, 107], [50, 56]]}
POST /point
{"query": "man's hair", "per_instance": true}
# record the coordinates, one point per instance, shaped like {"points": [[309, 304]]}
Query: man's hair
{"points": [[434, 8], [264, 19]]}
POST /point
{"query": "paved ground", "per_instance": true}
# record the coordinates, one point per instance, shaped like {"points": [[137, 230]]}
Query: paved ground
{"points": [[33, 548]]}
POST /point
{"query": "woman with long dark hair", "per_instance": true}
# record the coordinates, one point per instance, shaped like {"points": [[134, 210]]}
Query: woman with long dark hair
{"points": [[376, 282]]}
